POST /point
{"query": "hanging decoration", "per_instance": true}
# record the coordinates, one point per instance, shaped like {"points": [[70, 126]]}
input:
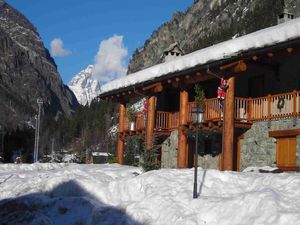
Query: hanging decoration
{"points": [[280, 103]]}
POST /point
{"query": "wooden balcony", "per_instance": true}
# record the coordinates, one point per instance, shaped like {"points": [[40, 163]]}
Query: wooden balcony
{"points": [[247, 111], [139, 124]]}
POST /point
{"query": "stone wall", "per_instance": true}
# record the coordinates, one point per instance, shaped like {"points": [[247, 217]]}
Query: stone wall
{"points": [[258, 149], [205, 160], [169, 151]]}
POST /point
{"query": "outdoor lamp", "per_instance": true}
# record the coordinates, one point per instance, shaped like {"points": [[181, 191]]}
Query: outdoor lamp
{"points": [[199, 114]]}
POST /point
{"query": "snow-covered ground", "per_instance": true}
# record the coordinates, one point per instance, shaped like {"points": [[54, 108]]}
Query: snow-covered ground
{"points": [[114, 194]]}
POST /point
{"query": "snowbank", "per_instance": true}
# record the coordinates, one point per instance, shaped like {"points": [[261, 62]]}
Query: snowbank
{"points": [[262, 38], [114, 194]]}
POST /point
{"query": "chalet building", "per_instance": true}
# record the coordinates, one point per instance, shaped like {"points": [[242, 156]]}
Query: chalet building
{"points": [[258, 124]]}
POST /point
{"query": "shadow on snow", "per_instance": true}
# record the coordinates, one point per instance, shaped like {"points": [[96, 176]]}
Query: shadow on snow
{"points": [[67, 204]]}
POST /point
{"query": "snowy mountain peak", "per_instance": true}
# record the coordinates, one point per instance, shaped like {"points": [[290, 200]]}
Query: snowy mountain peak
{"points": [[84, 86]]}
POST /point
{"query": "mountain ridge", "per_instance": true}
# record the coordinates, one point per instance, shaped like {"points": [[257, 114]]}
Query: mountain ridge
{"points": [[209, 22], [28, 72]]}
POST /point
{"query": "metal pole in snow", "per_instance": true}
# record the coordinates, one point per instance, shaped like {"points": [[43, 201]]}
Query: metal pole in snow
{"points": [[195, 194], [39, 102], [2, 141], [52, 150], [35, 139]]}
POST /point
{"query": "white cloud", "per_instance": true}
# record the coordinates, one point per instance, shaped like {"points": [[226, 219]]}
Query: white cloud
{"points": [[110, 61], [57, 48]]}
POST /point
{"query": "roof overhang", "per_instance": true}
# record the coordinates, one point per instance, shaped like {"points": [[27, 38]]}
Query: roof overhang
{"points": [[293, 42]]}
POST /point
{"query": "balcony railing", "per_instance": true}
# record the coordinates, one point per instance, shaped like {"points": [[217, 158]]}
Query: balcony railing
{"points": [[269, 107], [166, 120]]}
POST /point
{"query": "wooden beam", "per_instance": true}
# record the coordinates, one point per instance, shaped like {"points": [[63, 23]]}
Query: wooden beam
{"points": [[289, 50], [284, 133], [238, 66], [152, 86], [150, 122], [157, 87], [229, 126], [228, 66], [197, 79], [120, 143], [182, 134]]}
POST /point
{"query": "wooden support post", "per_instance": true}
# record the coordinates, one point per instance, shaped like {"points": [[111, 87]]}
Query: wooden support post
{"points": [[150, 122], [229, 126], [182, 134], [120, 143]]}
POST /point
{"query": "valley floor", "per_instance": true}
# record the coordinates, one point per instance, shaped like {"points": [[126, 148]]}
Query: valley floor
{"points": [[113, 194]]}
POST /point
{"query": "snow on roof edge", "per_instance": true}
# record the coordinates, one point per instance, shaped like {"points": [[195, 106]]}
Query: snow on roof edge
{"points": [[261, 38]]}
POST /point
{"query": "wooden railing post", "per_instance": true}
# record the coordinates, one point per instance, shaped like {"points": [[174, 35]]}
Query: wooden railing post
{"points": [[182, 135], [150, 122], [269, 107], [170, 120], [120, 143], [250, 104], [294, 103]]}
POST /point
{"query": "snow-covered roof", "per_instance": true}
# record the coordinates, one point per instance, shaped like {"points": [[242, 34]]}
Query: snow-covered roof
{"points": [[259, 39]]}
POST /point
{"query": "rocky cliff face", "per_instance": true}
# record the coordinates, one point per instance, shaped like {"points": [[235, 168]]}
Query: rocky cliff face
{"points": [[84, 86], [208, 22], [27, 72]]}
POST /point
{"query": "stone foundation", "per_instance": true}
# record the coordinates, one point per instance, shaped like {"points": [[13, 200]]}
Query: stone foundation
{"points": [[205, 160], [258, 149]]}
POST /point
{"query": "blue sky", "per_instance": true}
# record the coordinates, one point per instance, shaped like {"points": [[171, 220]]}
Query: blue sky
{"points": [[82, 24]]}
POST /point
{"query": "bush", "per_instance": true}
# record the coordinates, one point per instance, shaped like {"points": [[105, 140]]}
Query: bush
{"points": [[133, 148], [150, 157]]}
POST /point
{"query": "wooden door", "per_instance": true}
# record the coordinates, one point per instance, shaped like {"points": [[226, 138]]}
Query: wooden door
{"points": [[286, 152]]}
